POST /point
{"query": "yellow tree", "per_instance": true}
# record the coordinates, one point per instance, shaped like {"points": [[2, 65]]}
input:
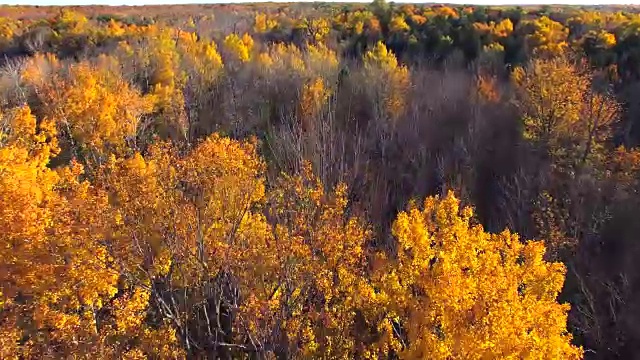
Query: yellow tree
{"points": [[398, 24], [95, 106], [318, 29], [585, 21], [356, 21], [62, 294], [8, 29], [164, 60], [203, 65], [180, 69], [182, 232], [263, 24], [568, 125], [71, 22], [54, 275], [319, 269], [454, 291], [548, 38], [187, 238], [392, 81], [599, 47], [239, 47], [562, 114], [317, 61], [201, 57], [502, 29], [314, 96]]}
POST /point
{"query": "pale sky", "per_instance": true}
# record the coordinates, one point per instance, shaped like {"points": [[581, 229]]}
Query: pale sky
{"points": [[158, 2]]}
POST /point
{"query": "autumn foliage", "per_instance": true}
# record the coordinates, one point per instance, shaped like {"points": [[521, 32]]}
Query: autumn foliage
{"points": [[307, 181], [166, 255]]}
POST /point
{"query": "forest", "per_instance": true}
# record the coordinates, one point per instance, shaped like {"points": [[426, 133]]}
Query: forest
{"points": [[319, 181]]}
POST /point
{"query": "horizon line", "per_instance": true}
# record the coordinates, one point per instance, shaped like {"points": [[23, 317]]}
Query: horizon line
{"points": [[458, 3]]}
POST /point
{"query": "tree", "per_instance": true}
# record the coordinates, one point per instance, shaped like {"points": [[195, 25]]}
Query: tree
{"points": [[183, 232], [599, 47], [95, 107], [314, 96], [547, 38], [320, 275], [191, 244], [55, 274], [502, 29], [562, 114], [263, 24], [398, 24], [454, 291], [240, 47], [389, 93], [568, 126]]}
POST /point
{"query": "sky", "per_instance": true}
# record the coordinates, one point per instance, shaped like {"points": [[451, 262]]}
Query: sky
{"points": [[148, 2]]}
